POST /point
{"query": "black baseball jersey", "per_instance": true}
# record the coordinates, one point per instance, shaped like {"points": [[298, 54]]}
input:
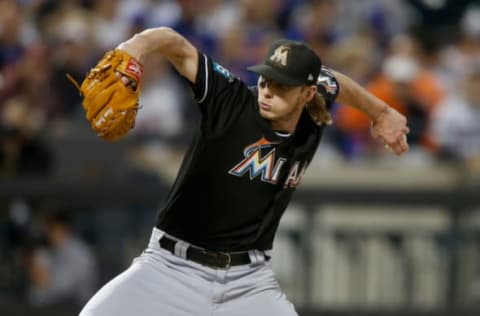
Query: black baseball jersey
{"points": [[238, 175]]}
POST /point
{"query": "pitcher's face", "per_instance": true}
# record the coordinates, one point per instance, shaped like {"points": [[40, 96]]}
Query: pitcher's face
{"points": [[281, 103]]}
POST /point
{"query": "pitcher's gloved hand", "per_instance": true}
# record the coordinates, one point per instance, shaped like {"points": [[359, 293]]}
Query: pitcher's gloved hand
{"points": [[110, 104]]}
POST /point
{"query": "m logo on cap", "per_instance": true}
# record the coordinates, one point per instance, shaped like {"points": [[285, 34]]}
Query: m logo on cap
{"points": [[280, 55]]}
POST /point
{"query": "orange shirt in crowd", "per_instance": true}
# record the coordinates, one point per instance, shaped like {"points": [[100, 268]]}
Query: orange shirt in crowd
{"points": [[425, 89]]}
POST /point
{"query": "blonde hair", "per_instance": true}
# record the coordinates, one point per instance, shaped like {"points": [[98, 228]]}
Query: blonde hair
{"points": [[317, 108]]}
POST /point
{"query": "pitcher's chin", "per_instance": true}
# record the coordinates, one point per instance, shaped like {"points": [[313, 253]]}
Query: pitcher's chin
{"points": [[266, 113]]}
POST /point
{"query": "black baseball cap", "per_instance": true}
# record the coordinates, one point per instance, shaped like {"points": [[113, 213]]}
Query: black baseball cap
{"points": [[290, 63]]}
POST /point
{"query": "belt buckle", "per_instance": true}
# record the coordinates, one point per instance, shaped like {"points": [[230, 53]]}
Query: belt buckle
{"points": [[222, 260]]}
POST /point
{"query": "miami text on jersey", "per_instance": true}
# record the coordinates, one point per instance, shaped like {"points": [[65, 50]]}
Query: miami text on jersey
{"points": [[260, 161]]}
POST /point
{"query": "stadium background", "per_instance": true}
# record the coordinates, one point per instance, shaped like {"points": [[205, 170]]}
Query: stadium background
{"points": [[368, 233]]}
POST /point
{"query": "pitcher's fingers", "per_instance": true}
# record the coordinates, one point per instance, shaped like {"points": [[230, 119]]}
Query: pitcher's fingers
{"points": [[402, 143], [398, 149], [399, 144], [405, 143], [125, 80]]}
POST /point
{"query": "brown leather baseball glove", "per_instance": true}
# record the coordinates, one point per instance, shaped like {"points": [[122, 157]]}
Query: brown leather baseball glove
{"points": [[110, 105]]}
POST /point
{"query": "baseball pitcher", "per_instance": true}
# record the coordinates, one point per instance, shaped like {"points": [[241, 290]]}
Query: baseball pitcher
{"points": [[209, 249]]}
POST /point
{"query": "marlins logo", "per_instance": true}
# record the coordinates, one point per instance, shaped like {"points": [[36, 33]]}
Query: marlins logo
{"points": [[280, 55], [260, 161]]}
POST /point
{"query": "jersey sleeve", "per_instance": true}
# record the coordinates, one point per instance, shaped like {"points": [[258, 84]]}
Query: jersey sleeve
{"points": [[220, 96], [328, 86]]}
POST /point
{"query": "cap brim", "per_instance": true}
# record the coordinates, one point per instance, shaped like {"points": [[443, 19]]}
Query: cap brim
{"points": [[275, 75]]}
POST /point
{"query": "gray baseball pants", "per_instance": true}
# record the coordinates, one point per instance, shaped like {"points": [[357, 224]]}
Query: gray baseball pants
{"points": [[160, 283]]}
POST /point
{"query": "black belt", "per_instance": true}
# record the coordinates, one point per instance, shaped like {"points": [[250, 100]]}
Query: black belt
{"points": [[213, 259]]}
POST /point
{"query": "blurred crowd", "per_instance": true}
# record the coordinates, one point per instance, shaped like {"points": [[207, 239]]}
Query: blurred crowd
{"points": [[421, 57], [44, 261]]}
